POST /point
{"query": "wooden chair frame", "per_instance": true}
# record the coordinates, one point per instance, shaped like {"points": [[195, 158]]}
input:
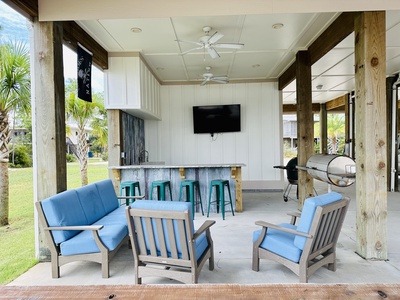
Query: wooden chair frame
{"points": [[159, 262], [320, 247]]}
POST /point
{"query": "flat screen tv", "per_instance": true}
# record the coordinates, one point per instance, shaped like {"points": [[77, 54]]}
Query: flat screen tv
{"points": [[216, 118]]}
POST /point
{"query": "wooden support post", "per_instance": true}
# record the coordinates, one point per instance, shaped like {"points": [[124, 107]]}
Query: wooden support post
{"points": [[305, 124], [323, 128], [390, 81], [114, 144], [236, 173], [48, 115], [371, 139]]}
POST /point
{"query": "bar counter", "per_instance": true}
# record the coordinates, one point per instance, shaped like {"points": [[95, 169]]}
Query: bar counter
{"points": [[204, 173]]}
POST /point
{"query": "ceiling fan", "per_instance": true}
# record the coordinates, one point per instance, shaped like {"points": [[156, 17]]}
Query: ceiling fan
{"points": [[209, 43], [208, 76]]}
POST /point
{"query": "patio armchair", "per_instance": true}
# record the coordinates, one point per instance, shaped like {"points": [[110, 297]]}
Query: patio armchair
{"points": [[310, 245], [165, 243]]}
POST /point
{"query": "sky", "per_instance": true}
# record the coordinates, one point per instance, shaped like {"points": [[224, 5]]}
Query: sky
{"points": [[16, 28]]}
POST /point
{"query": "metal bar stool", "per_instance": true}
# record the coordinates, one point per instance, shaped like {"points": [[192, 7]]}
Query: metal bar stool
{"points": [[129, 187], [160, 185], [190, 185], [220, 193]]}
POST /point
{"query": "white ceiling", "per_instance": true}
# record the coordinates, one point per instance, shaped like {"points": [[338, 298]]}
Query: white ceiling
{"points": [[266, 54]]}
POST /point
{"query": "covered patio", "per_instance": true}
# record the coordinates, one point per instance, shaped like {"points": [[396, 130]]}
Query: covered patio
{"points": [[233, 251]]}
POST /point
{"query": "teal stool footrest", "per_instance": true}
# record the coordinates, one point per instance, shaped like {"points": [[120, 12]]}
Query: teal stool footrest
{"points": [[190, 185], [129, 187], [160, 186], [219, 185]]}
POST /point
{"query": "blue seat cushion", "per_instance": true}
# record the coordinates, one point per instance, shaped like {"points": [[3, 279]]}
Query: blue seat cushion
{"points": [[113, 232], [308, 212], [280, 243], [91, 202], [107, 195], [64, 209], [201, 243]]}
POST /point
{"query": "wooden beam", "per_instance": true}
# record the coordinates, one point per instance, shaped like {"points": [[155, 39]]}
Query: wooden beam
{"points": [[333, 35], [287, 77], [305, 124], [371, 139], [292, 108], [337, 103], [28, 8], [74, 34]]}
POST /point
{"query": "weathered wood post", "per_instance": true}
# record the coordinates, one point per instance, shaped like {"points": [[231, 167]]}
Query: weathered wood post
{"points": [[371, 139]]}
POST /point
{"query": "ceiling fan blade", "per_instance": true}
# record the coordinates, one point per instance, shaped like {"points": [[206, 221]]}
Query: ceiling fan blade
{"points": [[204, 82], [215, 37], [213, 53], [222, 77], [219, 80], [191, 42], [229, 45], [194, 49]]}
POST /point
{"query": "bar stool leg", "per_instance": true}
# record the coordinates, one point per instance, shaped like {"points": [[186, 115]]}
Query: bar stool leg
{"points": [[199, 194], [230, 199]]}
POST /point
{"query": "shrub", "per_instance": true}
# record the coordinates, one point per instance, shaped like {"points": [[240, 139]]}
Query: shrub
{"points": [[104, 156], [71, 158], [22, 158]]}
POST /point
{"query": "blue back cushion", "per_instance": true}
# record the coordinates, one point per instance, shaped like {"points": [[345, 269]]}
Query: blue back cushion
{"points": [[61, 210], [107, 195], [91, 202], [168, 206], [307, 214]]}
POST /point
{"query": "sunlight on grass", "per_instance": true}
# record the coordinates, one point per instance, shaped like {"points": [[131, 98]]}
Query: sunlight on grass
{"points": [[17, 249]]}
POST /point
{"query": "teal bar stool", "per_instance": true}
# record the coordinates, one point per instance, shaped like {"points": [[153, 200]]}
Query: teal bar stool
{"points": [[190, 185], [220, 184], [161, 185], [129, 187]]}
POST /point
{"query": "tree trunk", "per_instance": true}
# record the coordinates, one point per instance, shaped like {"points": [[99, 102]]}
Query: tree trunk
{"points": [[83, 155], [4, 192]]}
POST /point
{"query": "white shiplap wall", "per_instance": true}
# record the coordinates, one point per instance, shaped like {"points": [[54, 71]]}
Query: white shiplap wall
{"points": [[258, 145]]}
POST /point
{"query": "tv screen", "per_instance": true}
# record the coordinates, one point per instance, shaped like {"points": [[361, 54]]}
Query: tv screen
{"points": [[216, 118]]}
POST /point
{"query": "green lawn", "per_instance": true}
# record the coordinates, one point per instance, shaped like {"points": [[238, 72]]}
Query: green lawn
{"points": [[17, 244]]}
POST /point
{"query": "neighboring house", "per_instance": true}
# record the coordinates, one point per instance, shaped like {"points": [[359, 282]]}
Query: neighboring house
{"points": [[19, 133], [290, 129]]}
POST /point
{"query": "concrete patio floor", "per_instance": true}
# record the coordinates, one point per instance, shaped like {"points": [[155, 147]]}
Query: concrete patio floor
{"points": [[233, 250]]}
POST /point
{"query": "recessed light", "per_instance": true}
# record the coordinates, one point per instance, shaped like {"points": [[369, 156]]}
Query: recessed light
{"points": [[136, 30], [277, 26]]}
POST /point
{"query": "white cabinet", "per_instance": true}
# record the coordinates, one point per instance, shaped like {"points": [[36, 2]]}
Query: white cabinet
{"points": [[131, 87]]}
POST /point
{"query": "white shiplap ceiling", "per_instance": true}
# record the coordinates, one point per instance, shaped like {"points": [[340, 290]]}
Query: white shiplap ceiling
{"points": [[266, 55]]}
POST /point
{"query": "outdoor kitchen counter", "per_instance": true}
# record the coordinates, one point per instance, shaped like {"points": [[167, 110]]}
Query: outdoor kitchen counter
{"points": [[204, 173]]}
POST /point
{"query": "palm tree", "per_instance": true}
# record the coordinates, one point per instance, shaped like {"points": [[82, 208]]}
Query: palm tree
{"points": [[335, 128], [82, 113], [100, 127], [14, 95]]}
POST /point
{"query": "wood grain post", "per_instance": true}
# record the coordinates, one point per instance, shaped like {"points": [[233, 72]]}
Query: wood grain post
{"points": [[305, 124], [48, 117], [371, 139], [323, 128], [114, 145]]}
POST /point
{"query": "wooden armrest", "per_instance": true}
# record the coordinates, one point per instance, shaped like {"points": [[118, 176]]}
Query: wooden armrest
{"points": [[205, 226], [83, 227], [284, 229]]}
